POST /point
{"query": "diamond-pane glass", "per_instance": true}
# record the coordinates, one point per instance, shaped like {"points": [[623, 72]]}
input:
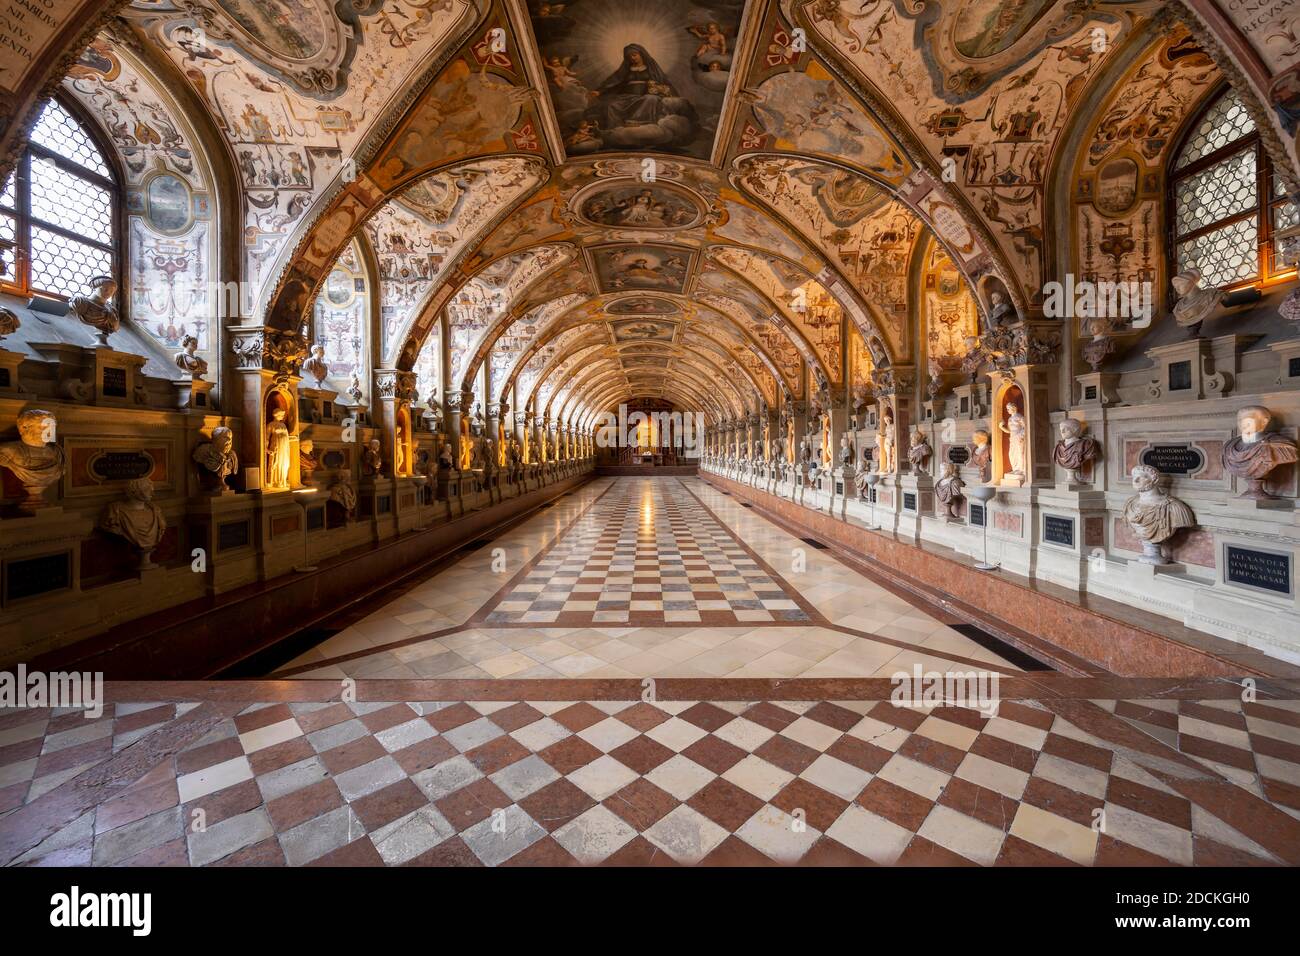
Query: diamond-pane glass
{"points": [[7, 198], [1225, 122], [64, 265], [66, 200], [1285, 215], [1223, 256], [59, 132], [8, 227], [1223, 190]]}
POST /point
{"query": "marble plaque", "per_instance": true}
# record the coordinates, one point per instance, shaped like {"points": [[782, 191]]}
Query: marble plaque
{"points": [[1058, 530], [958, 454], [1259, 569], [1173, 459]]}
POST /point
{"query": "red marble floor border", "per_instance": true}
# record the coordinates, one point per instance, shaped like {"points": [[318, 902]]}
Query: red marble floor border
{"points": [[28, 825], [1113, 638], [1018, 686]]}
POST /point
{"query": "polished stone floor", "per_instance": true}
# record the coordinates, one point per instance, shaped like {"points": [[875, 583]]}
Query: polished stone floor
{"points": [[635, 577], [649, 673], [1056, 781]]}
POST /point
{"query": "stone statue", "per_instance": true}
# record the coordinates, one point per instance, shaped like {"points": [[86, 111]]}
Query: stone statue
{"points": [[344, 495], [137, 519], [217, 460], [1075, 450], [308, 461], [1017, 432], [1155, 515], [9, 322], [846, 452], [277, 452], [315, 365], [885, 441], [187, 361], [948, 489], [354, 389], [97, 310], [477, 423], [1256, 451], [980, 452], [918, 454], [1194, 303], [1001, 312], [372, 461], [34, 459], [445, 458]]}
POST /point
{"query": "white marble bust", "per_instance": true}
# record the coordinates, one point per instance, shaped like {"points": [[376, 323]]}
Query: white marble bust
{"points": [[1154, 514]]}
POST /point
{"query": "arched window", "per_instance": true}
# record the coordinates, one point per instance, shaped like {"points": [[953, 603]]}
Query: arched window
{"points": [[1225, 203], [58, 215]]}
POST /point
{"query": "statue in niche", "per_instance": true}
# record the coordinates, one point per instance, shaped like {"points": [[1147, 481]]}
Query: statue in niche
{"points": [[1194, 303], [919, 452], [316, 367], [187, 361], [885, 440], [1017, 432], [217, 460], [1075, 450], [1155, 515], [1256, 451], [277, 452], [34, 459], [1001, 311], [948, 489], [981, 452], [97, 310], [372, 460], [9, 322], [308, 460], [137, 519], [345, 496], [399, 454]]}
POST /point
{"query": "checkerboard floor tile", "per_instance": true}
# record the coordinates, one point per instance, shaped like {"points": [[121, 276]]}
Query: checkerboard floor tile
{"points": [[647, 553], [685, 782]]}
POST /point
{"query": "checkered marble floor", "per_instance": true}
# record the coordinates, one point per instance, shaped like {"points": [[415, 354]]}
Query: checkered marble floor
{"points": [[648, 552], [634, 782]]}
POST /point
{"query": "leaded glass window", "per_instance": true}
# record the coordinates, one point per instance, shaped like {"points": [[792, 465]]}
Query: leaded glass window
{"points": [[58, 223], [1225, 205]]}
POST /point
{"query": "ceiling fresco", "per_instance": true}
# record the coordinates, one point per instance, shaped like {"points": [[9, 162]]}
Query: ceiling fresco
{"points": [[607, 199]]}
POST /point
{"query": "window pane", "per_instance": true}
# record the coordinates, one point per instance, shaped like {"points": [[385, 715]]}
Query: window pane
{"points": [[7, 197], [58, 131], [1285, 215], [1225, 122], [7, 253], [1223, 190], [1224, 256], [64, 265], [70, 202]]}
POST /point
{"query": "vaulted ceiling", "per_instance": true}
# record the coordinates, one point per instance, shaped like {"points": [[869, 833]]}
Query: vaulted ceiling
{"points": [[709, 201]]}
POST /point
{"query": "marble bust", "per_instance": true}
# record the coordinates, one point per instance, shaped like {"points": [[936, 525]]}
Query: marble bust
{"points": [[445, 459], [846, 452], [1194, 303], [34, 459], [918, 453], [1075, 450], [344, 495], [308, 460], [948, 489], [9, 322], [1001, 312], [315, 365], [372, 459], [1256, 451], [97, 310], [187, 361], [137, 519], [1154, 514], [217, 460]]}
